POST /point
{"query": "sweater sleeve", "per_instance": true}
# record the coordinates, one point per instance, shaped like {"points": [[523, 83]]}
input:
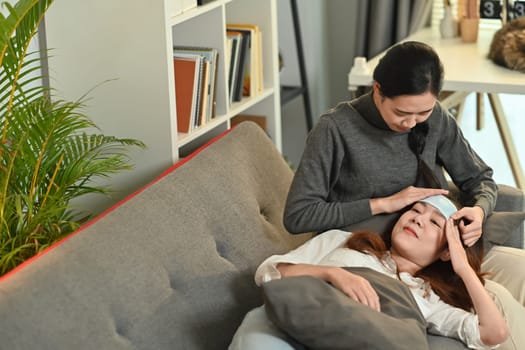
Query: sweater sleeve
{"points": [[468, 171], [308, 206], [446, 320], [310, 252]]}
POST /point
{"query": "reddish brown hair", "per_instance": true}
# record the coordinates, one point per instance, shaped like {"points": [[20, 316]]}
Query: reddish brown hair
{"points": [[440, 274]]}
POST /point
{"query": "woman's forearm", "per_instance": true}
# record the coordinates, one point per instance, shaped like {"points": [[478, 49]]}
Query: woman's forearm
{"points": [[319, 271], [492, 326], [303, 213], [354, 286]]}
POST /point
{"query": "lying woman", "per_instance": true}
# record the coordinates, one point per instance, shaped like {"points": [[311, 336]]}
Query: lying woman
{"points": [[423, 242]]}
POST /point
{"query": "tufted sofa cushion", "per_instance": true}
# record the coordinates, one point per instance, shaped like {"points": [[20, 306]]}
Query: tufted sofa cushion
{"points": [[168, 268]]}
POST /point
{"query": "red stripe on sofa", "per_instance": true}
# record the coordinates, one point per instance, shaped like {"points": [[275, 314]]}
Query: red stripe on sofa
{"points": [[116, 205]]}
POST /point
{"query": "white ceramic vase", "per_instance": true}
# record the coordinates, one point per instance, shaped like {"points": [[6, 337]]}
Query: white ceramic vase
{"points": [[448, 26]]}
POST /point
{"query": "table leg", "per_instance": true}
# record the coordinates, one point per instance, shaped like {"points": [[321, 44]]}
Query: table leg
{"points": [[480, 114], [506, 138]]}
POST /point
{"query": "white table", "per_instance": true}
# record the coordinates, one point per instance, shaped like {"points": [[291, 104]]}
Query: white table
{"points": [[467, 70]]}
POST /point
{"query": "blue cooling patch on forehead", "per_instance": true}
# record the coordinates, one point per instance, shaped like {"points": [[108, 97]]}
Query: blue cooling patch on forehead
{"points": [[442, 203]]}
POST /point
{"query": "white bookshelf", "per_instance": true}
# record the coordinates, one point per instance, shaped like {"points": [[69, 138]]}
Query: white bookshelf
{"points": [[123, 49]]}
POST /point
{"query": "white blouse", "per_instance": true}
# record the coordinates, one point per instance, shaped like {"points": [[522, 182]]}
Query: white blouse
{"points": [[328, 249]]}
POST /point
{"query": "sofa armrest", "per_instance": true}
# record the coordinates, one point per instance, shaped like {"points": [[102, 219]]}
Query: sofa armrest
{"points": [[512, 199]]}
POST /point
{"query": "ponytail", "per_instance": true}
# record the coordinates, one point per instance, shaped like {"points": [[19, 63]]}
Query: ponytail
{"points": [[416, 142]]}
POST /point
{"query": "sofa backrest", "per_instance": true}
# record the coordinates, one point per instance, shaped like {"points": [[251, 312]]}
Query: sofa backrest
{"points": [[171, 267]]}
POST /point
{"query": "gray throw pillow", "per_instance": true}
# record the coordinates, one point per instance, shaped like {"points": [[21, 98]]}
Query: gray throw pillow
{"points": [[321, 317]]}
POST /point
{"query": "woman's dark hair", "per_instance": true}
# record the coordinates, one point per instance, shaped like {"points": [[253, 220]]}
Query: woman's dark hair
{"points": [[412, 68], [409, 68]]}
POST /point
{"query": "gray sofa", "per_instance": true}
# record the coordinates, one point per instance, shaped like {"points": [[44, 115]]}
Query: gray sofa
{"points": [[170, 267]]}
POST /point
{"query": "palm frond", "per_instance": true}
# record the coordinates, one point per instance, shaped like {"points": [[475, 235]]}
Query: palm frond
{"points": [[16, 33]]}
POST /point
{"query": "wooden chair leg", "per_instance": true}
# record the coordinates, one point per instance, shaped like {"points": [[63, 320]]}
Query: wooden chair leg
{"points": [[506, 138]]}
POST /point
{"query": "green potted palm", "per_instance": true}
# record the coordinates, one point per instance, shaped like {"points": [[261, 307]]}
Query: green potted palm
{"points": [[50, 152]]}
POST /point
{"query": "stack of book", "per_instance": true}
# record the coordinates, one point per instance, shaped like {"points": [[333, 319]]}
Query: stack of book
{"points": [[244, 58], [195, 80]]}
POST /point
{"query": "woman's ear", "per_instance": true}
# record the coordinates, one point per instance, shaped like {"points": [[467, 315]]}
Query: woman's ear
{"points": [[377, 88], [445, 255]]}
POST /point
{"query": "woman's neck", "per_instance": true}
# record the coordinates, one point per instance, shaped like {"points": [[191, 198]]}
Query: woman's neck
{"points": [[403, 264]]}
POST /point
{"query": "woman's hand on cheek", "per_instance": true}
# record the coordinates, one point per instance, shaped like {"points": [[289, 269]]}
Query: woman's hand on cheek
{"points": [[356, 287], [402, 199], [470, 225]]}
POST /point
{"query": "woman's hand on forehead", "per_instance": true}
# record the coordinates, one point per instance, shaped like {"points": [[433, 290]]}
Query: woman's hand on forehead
{"points": [[402, 199]]}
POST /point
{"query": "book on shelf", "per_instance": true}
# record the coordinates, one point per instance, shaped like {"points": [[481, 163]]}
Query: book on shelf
{"points": [[258, 119], [210, 57], [203, 96], [187, 70], [228, 50], [243, 87], [243, 55], [233, 62], [199, 89], [253, 76]]}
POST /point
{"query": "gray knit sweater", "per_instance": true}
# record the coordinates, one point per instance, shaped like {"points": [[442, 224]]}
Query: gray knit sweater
{"points": [[352, 156]]}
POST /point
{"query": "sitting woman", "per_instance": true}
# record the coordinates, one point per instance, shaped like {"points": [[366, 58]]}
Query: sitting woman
{"points": [[424, 251]]}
